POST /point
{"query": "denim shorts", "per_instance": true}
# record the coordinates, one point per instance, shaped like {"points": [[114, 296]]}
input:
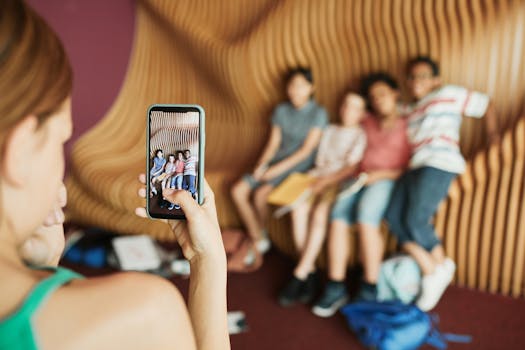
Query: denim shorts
{"points": [[367, 206]]}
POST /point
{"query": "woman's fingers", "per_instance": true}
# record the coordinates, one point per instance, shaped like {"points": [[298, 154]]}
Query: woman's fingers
{"points": [[183, 198], [62, 195], [142, 192], [141, 212], [56, 215], [142, 178]]}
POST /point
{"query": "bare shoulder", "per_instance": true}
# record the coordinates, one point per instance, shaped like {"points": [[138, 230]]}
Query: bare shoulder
{"points": [[126, 310]]}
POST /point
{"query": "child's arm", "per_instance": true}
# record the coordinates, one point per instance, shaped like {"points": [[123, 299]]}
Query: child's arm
{"points": [[479, 105], [308, 146], [491, 123], [269, 151], [334, 178], [385, 174]]}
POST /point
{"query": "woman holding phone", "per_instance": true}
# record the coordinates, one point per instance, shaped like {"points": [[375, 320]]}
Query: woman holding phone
{"points": [[126, 310]]}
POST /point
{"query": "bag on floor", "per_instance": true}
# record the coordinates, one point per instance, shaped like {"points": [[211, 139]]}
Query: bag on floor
{"points": [[395, 326], [399, 279]]}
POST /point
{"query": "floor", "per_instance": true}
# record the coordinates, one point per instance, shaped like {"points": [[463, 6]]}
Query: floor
{"points": [[494, 322]]}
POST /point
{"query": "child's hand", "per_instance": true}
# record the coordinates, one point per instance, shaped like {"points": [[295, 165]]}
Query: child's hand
{"points": [[259, 172], [199, 235], [319, 186], [45, 246]]}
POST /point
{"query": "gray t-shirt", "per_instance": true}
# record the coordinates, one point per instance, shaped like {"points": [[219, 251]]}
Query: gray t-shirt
{"points": [[295, 125]]}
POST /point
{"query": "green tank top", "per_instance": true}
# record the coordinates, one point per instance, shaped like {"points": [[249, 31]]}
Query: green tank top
{"points": [[16, 330]]}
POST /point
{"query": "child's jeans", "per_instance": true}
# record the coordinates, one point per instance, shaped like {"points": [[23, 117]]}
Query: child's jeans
{"points": [[189, 183], [176, 181], [414, 202]]}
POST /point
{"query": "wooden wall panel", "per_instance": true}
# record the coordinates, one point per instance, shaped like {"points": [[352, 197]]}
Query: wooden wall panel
{"points": [[229, 56]]}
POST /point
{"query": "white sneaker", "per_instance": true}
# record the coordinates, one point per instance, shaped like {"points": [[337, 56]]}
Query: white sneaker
{"points": [[450, 267], [263, 245], [433, 286]]}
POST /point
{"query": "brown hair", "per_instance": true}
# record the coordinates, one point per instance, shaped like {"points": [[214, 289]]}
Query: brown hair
{"points": [[36, 75]]}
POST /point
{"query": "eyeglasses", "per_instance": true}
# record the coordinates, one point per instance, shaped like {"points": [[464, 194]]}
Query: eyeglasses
{"points": [[422, 76]]}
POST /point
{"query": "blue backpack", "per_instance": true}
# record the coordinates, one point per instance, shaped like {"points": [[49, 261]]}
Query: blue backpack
{"points": [[395, 326]]}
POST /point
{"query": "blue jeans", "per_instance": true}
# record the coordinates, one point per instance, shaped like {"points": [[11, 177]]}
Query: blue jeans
{"points": [[367, 206], [189, 183], [176, 181], [414, 202]]}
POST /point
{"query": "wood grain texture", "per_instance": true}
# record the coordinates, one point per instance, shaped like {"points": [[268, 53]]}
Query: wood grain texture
{"points": [[230, 56]]}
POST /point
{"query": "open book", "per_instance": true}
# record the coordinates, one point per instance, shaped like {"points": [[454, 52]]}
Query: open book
{"points": [[296, 190], [291, 193]]}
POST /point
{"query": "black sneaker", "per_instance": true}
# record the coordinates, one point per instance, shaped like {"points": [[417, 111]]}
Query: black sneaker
{"points": [[367, 292], [292, 292], [311, 288], [334, 297]]}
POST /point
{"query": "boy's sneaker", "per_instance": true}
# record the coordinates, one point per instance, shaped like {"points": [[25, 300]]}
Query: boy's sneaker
{"points": [[367, 292], [264, 244], [449, 267], [292, 292], [310, 289], [433, 286], [334, 297]]}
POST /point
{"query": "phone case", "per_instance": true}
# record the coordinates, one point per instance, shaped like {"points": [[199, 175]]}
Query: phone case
{"points": [[164, 131]]}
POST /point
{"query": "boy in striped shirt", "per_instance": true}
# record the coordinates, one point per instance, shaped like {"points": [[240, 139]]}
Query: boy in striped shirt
{"points": [[190, 172], [434, 120]]}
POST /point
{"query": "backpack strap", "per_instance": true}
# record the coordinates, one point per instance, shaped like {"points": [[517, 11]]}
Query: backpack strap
{"points": [[439, 340]]}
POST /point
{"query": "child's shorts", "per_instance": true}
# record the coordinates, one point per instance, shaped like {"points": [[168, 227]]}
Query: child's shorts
{"points": [[367, 206], [302, 167]]}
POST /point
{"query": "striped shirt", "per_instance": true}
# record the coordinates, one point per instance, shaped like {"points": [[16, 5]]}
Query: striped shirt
{"points": [[434, 123], [339, 147], [189, 166]]}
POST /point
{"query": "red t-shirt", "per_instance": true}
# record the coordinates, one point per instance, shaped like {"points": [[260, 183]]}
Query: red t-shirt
{"points": [[386, 149], [179, 166]]}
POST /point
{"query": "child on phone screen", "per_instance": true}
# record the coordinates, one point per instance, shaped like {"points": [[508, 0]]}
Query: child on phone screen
{"points": [[190, 172], [178, 177], [158, 167]]}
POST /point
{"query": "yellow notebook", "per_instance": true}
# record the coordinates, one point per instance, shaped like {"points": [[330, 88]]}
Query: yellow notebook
{"points": [[291, 189]]}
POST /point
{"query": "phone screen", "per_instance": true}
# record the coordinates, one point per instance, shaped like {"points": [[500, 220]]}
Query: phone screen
{"points": [[175, 150]]}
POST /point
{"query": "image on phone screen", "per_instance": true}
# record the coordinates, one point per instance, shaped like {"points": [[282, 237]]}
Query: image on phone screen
{"points": [[175, 156]]}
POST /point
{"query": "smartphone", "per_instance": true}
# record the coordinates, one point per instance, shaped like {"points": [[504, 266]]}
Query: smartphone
{"points": [[175, 156]]}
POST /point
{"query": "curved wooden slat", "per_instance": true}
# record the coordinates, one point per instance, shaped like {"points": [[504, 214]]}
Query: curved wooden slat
{"points": [[230, 58]]}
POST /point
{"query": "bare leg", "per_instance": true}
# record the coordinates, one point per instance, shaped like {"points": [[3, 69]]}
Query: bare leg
{"points": [[315, 240], [241, 197], [371, 248], [438, 254], [261, 205], [300, 217], [423, 258], [338, 250]]}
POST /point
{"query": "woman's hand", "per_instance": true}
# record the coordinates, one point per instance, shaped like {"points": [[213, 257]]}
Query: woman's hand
{"points": [[45, 246], [199, 235]]}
